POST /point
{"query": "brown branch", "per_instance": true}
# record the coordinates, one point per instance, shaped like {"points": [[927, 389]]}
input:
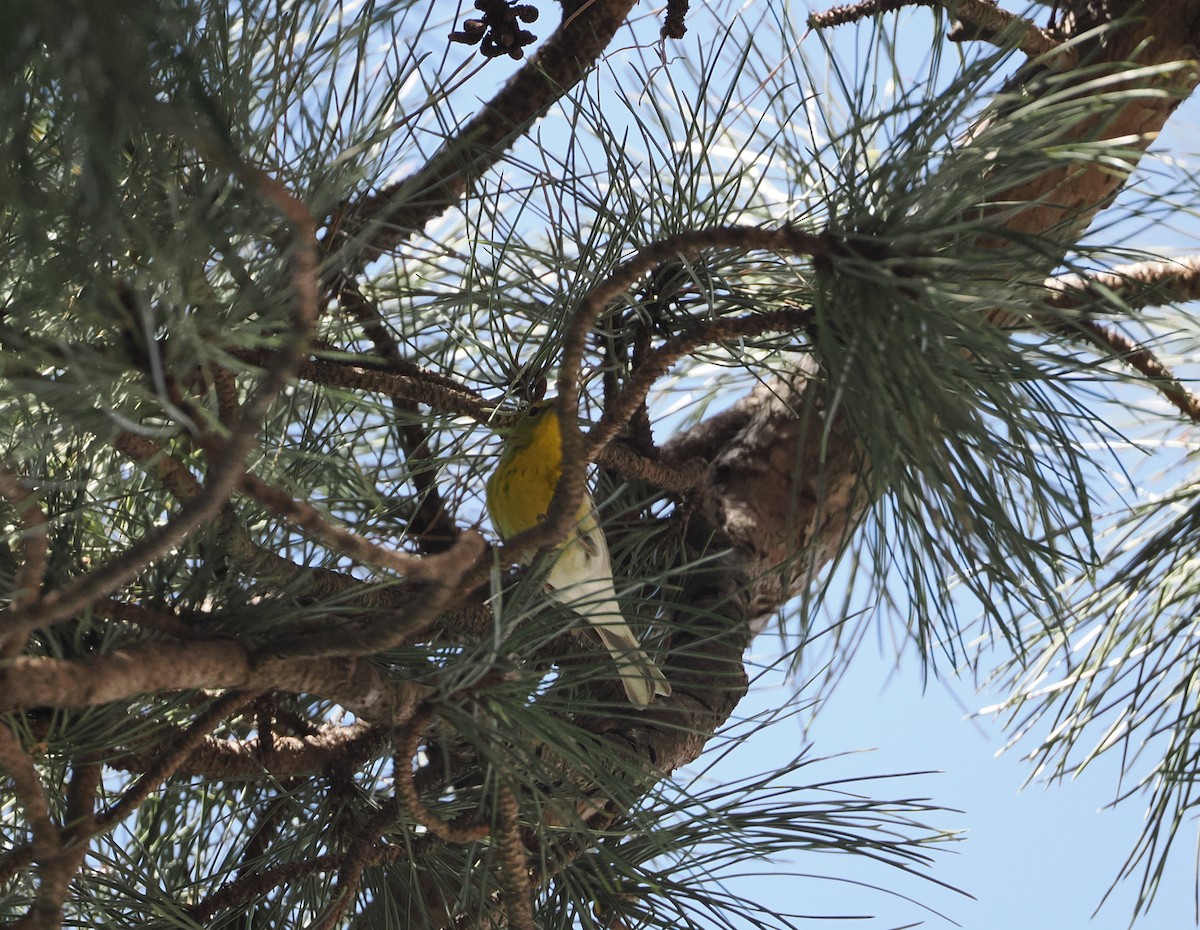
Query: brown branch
{"points": [[431, 524], [28, 788], [657, 362], [246, 888], [303, 581], [847, 13], [983, 20], [516, 888], [1143, 361], [398, 378], [144, 668], [677, 478], [784, 240], [267, 826], [364, 852], [170, 760], [337, 538], [55, 876], [1145, 284], [577, 450], [447, 579], [289, 756], [56, 869], [1132, 287], [148, 668], [675, 24], [164, 621], [461, 831], [225, 388], [14, 862], [391, 215], [353, 863], [31, 573], [170, 471]]}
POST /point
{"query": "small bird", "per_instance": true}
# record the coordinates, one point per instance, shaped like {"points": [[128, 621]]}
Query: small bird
{"points": [[518, 496]]}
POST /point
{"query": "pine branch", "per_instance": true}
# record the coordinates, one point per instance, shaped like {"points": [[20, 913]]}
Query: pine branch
{"points": [[286, 757], [18, 765], [514, 868], [461, 831], [1145, 362], [148, 668], [1146, 284], [31, 574], [985, 20], [384, 219]]}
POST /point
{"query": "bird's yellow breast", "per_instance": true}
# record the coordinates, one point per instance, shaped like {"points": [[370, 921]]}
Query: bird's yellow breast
{"points": [[520, 489]]}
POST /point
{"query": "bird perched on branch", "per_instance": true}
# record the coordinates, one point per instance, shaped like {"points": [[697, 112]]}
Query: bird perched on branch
{"points": [[518, 496]]}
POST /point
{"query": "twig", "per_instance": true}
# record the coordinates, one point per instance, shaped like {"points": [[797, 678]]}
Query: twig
{"points": [[447, 578], [1145, 284], [364, 852], [431, 524], [578, 450], [46, 911], [175, 476], [164, 621], [179, 480], [151, 667], [675, 24], [290, 755], [516, 888], [56, 875], [676, 477], [989, 22], [845, 14], [57, 869], [28, 788], [657, 362], [31, 573], [225, 388], [396, 378], [246, 888], [15, 861], [81, 792], [170, 760], [338, 538], [1143, 361], [460, 832]]}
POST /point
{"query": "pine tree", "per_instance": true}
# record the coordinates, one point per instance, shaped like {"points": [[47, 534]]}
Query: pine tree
{"points": [[277, 277]]}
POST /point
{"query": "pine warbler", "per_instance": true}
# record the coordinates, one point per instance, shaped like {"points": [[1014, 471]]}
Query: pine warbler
{"points": [[518, 495]]}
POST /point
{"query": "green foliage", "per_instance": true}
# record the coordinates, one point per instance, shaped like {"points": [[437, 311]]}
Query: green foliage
{"points": [[149, 284]]}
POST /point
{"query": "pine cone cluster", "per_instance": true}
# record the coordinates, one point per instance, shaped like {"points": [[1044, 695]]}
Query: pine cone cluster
{"points": [[498, 31]]}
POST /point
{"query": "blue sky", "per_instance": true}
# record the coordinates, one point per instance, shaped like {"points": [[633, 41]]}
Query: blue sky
{"points": [[1038, 856]]}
